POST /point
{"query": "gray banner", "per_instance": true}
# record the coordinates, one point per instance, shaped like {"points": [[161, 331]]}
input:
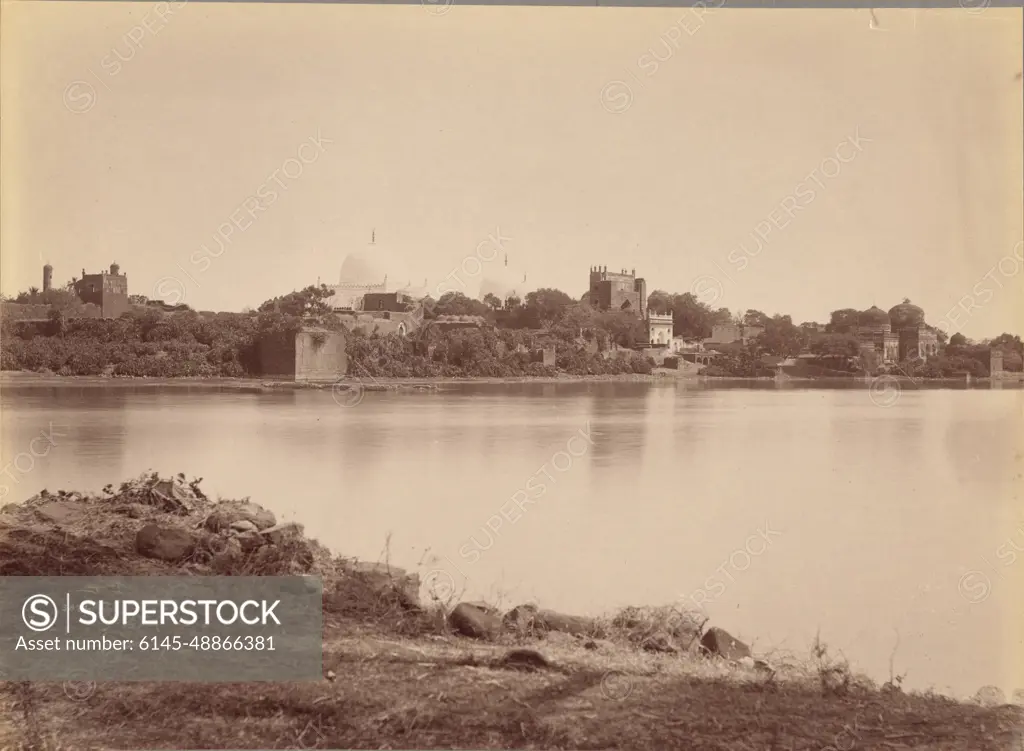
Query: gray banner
{"points": [[161, 628]]}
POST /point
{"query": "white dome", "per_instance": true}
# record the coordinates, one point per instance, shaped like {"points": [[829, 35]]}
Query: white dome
{"points": [[371, 266], [504, 283]]}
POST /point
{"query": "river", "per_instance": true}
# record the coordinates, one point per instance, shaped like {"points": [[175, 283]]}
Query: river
{"points": [[891, 526]]}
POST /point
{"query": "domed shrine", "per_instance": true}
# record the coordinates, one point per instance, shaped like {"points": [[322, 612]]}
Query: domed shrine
{"points": [[375, 271], [874, 331], [905, 314], [901, 334]]}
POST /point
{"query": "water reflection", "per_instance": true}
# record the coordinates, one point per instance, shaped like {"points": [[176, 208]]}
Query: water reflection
{"points": [[878, 510]]}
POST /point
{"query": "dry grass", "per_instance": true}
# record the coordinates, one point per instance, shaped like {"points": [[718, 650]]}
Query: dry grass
{"points": [[398, 679], [445, 692]]}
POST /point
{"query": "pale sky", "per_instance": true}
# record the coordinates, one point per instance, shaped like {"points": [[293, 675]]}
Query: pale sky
{"points": [[438, 130]]}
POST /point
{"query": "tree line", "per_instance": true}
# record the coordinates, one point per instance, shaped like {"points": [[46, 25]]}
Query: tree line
{"points": [[151, 341]]}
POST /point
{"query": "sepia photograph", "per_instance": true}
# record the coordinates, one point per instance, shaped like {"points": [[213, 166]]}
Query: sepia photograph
{"points": [[445, 375]]}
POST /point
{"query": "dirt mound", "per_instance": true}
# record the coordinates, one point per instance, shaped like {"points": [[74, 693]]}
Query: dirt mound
{"points": [[128, 531]]}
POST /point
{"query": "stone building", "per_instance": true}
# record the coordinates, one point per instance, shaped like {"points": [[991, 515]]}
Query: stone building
{"points": [[659, 329], [108, 291], [995, 363], [618, 291], [310, 355], [372, 272], [730, 333], [875, 335], [394, 302], [901, 334], [917, 340]]}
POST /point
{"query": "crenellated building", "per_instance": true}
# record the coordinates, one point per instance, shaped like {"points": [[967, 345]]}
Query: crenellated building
{"points": [[624, 291], [617, 291], [108, 291]]}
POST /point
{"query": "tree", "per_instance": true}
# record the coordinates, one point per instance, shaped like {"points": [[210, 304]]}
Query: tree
{"points": [[660, 302], [693, 319], [493, 301], [843, 321], [835, 345], [308, 302], [624, 328], [757, 318], [957, 340], [1006, 342], [780, 337], [58, 323], [457, 304], [578, 319], [547, 305]]}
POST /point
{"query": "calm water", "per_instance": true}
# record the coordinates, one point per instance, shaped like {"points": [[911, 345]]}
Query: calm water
{"points": [[781, 511]]}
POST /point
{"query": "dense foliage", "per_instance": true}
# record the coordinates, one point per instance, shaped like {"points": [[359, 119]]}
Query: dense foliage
{"points": [[168, 342], [479, 352]]}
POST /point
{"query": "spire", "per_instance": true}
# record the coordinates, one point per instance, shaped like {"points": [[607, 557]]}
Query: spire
{"points": [[373, 237]]}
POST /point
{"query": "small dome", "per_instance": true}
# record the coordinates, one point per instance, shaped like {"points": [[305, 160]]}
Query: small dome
{"points": [[906, 314], [873, 316]]}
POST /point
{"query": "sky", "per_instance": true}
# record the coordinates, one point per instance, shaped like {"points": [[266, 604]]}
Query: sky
{"points": [[790, 161]]}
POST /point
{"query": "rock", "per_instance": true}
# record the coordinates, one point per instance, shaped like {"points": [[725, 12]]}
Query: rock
{"points": [[226, 513], [281, 533], [549, 620], [244, 525], [10, 508], [762, 666], [61, 512], [659, 642], [389, 580], [369, 567], [529, 618], [471, 621], [250, 541], [164, 543], [226, 559], [172, 495], [719, 642], [136, 511], [1018, 697], [990, 696], [486, 607], [590, 644], [746, 662], [330, 675], [520, 618], [524, 659]]}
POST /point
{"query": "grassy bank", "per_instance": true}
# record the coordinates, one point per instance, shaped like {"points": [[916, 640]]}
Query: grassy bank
{"points": [[396, 676]]}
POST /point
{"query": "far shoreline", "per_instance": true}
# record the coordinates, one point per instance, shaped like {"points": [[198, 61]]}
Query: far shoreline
{"points": [[372, 383]]}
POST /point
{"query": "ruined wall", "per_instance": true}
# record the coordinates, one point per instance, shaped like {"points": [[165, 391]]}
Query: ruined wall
{"points": [[277, 357], [320, 355], [14, 311]]}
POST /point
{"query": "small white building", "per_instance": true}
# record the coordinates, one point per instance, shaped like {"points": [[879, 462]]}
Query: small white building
{"points": [[659, 329]]}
